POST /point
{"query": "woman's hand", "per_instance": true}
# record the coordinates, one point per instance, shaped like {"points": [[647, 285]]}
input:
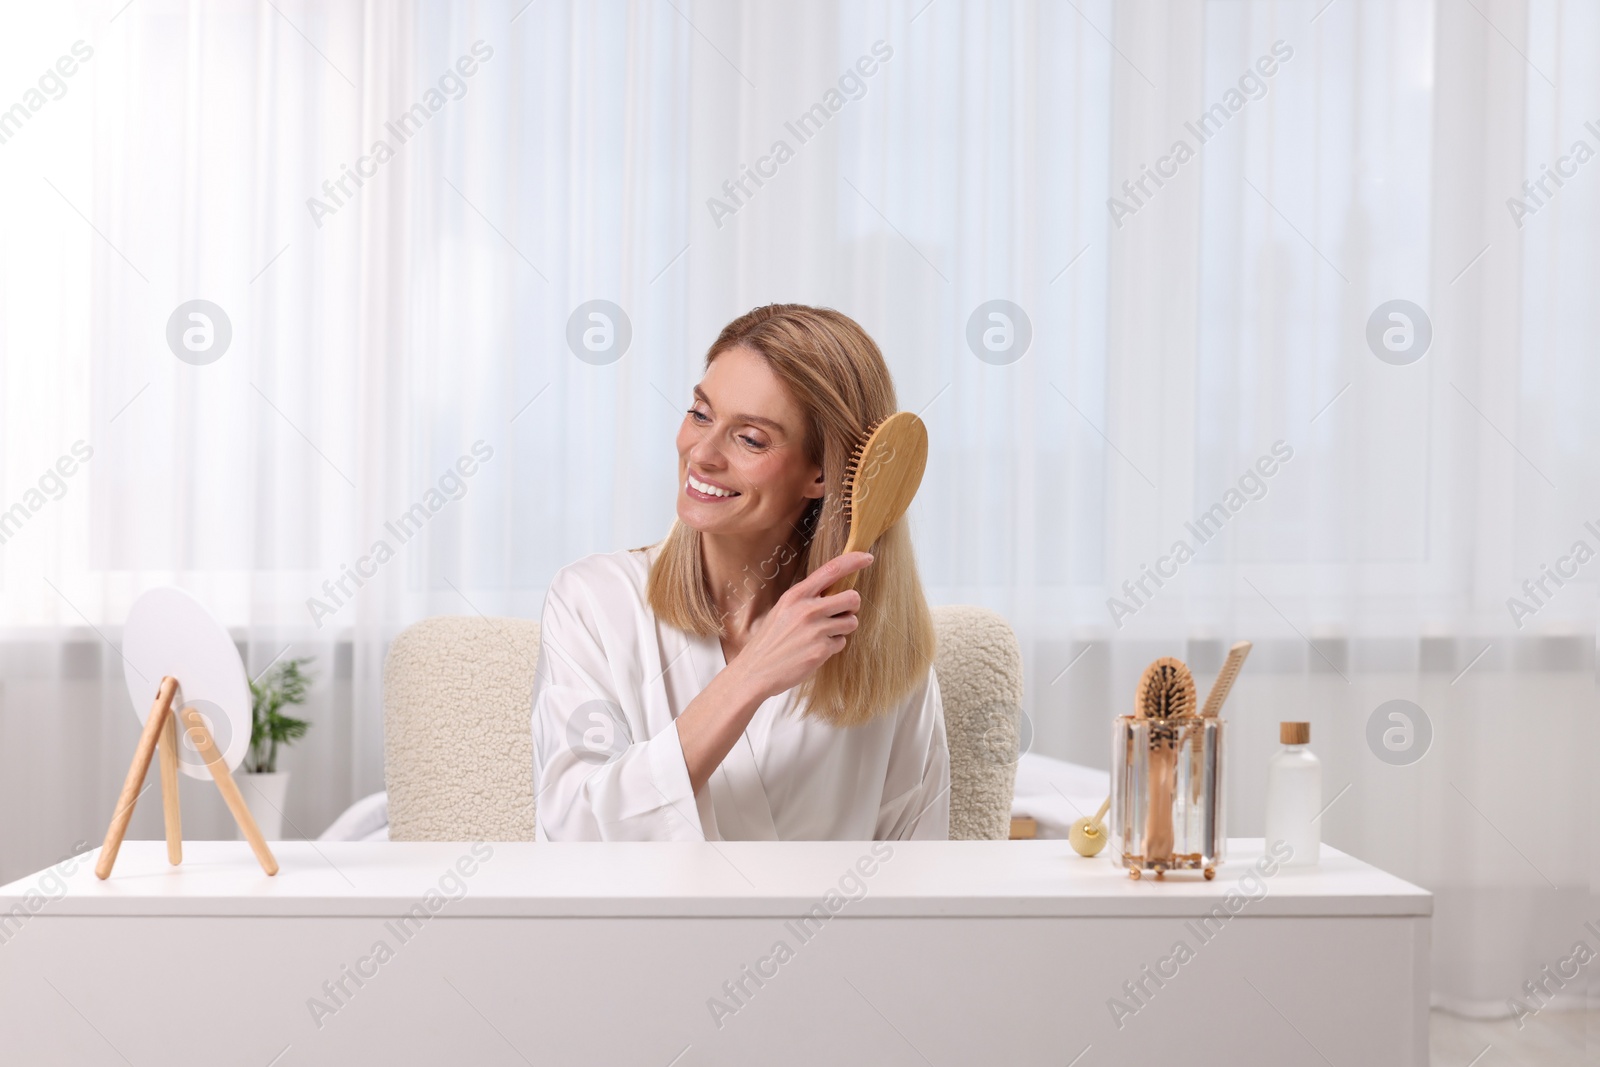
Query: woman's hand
{"points": [[794, 638], [802, 629]]}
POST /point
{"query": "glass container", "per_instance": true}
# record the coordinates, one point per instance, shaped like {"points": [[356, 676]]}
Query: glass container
{"points": [[1166, 795]]}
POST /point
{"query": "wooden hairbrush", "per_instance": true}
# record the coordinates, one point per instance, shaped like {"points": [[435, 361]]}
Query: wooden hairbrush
{"points": [[1166, 692], [880, 480]]}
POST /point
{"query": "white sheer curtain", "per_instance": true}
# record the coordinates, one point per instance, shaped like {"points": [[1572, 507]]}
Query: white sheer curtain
{"points": [[381, 333], [1378, 565]]}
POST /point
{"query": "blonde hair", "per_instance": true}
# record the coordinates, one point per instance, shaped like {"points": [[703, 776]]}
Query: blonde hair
{"points": [[837, 376]]}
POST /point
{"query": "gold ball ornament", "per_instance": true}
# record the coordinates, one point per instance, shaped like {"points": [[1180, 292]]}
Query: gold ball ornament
{"points": [[1086, 838]]}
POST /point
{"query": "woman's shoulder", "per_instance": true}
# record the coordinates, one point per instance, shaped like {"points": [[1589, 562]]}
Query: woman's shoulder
{"points": [[605, 574], [926, 697], [921, 707]]}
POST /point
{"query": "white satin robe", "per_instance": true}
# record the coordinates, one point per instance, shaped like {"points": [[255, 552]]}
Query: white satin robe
{"points": [[786, 778]]}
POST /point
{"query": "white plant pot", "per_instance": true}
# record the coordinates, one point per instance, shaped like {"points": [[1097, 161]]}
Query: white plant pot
{"points": [[265, 795]]}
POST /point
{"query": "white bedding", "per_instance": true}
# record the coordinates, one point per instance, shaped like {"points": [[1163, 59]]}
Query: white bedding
{"points": [[1057, 793], [365, 820], [1050, 790]]}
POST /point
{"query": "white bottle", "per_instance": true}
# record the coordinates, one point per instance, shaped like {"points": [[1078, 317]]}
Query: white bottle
{"points": [[1294, 795]]}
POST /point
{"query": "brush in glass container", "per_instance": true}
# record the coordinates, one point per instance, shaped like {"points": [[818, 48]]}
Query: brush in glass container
{"points": [[1166, 795]]}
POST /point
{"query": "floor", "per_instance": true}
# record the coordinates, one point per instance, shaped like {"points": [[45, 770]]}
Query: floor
{"points": [[1550, 1039]]}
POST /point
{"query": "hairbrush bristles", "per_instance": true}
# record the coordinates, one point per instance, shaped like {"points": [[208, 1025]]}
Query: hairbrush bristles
{"points": [[852, 468], [1166, 691], [880, 479]]}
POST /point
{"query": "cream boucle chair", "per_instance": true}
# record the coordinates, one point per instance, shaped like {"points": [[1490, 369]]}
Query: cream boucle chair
{"points": [[458, 748]]}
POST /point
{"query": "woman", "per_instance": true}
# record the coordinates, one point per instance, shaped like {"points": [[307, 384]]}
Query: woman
{"points": [[706, 687]]}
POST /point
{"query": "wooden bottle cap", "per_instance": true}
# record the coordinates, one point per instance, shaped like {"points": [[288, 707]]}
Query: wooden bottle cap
{"points": [[1294, 733]]}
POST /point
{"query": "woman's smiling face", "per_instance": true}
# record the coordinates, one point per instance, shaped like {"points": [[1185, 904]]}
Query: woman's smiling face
{"points": [[742, 463]]}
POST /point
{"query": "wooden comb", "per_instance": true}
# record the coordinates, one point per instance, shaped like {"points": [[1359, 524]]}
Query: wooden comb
{"points": [[880, 480], [1166, 692], [1225, 679]]}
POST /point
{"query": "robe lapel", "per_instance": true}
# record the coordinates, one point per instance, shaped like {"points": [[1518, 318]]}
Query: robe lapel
{"points": [[746, 816], [738, 797]]}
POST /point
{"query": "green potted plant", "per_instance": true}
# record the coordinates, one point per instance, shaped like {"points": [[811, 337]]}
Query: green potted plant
{"points": [[284, 685]]}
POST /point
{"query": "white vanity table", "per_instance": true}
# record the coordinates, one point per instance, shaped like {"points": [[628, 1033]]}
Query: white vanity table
{"points": [[954, 953]]}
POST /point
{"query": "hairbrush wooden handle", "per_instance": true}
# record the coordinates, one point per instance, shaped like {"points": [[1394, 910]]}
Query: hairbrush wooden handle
{"points": [[1225, 679], [1158, 830]]}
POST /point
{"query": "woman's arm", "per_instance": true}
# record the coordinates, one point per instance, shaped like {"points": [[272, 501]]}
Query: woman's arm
{"points": [[789, 643], [593, 781]]}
